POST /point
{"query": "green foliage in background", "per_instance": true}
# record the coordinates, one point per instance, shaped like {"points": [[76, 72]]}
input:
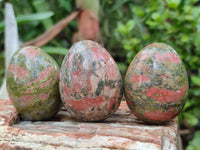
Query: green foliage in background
{"points": [[194, 144], [127, 26]]}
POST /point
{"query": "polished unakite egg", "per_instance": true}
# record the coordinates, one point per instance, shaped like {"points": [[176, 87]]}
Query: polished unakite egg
{"points": [[156, 84], [33, 84], [90, 82]]}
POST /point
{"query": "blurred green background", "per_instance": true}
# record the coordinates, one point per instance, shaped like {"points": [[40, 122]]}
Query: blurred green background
{"points": [[126, 27]]}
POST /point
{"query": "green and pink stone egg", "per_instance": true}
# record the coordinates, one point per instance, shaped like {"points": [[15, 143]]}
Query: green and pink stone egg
{"points": [[90, 82], [33, 84], [156, 84]]}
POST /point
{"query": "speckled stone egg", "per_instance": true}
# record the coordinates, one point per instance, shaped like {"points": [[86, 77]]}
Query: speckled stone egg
{"points": [[33, 84], [90, 82], [156, 84]]}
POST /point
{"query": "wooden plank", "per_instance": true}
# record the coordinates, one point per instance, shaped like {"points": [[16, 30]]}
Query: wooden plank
{"points": [[120, 131]]}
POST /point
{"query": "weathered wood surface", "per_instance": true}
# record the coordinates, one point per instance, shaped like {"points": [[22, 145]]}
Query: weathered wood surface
{"points": [[121, 131]]}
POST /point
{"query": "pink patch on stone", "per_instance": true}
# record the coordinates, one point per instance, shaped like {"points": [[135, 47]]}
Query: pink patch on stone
{"points": [[98, 57], [65, 90], [18, 71], [171, 57], [140, 78], [31, 52], [171, 110], [47, 83], [159, 57], [86, 103], [43, 96], [43, 74], [26, 98], [165, 95], [112, 71], [70, 59], [159, 116]]}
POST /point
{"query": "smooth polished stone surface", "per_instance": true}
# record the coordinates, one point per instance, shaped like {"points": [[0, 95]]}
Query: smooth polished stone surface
{"points": [[33, 84], [156, 84], [90, 82]]}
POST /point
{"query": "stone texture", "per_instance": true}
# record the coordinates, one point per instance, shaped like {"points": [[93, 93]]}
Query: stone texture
{"points": [[90, 82], [156, 84], [33, 84], [120, 131]]}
